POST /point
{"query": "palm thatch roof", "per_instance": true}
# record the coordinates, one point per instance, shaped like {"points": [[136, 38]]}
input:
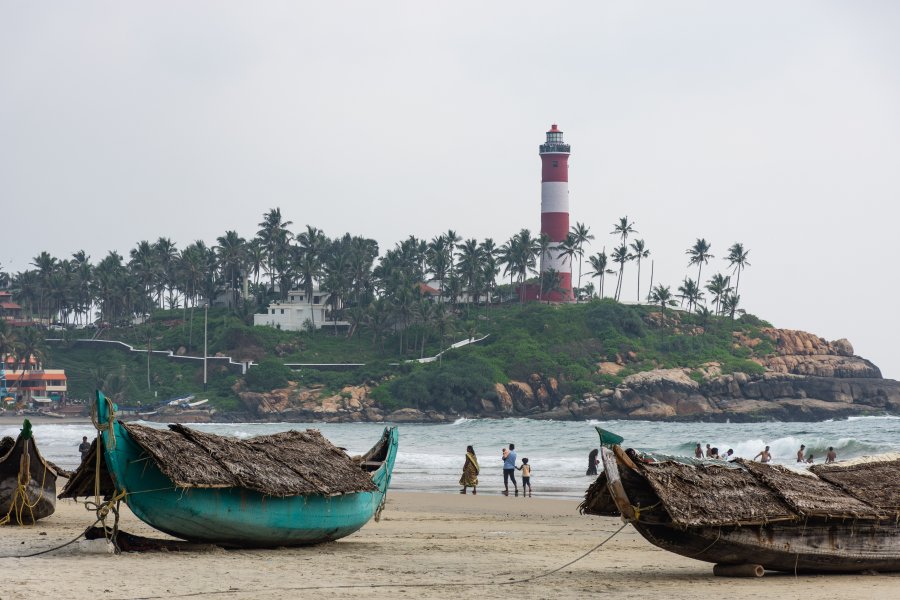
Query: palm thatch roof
{"points": [[809, 496], [81, 482], [597, 499], [283, 464], [745, 492], [713, 495], [874, 481]]}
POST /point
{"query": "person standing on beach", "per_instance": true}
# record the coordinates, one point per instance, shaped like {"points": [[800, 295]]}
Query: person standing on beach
{"points": [[831, 456], [470, 472], [84, 447], [800, 458], [764, 456], [593, 461], [526, 476], [509, 469]]}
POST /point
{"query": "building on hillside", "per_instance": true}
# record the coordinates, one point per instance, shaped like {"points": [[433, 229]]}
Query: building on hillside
{"points": [[299, 312], [9, 310], [30, 385]]}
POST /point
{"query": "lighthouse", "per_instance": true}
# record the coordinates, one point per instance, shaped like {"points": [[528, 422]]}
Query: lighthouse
{"points": [[555, 210]]}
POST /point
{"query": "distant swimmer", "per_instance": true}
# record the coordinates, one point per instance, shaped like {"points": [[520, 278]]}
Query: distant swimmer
{"points": [[708, 451], [728, 455], [831, 456], [714, 454], [800, 453], [593, 461], [809, 460], [698, 451], [764, 456]]}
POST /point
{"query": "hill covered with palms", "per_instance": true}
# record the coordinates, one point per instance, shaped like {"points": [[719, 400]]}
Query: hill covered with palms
{"points": [[668, 356]]}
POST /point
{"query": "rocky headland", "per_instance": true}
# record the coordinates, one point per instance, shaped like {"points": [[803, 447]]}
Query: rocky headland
{"points": [[804, 378]]}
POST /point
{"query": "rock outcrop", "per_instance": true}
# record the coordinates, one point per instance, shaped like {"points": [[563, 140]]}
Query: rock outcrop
{"points": [[805, 378], [296, 403]]}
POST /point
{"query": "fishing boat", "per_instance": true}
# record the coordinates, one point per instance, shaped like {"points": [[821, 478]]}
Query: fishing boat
{"points": [[748, 517], [27, 480], [286, 489]]}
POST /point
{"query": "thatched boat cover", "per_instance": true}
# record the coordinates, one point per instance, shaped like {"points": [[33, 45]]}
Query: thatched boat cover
{"points": [[809, 496], [875, 482], [81, 482], [597, 499], [283, 464], [713, 495]]}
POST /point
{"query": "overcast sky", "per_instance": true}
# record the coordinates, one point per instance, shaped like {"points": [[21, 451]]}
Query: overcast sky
{"points": [[775, 124]]}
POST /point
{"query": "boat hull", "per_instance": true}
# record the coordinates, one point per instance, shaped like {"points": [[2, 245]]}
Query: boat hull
{"points": [[813, 546], [238, 517], [27, 484], [835, 548]]}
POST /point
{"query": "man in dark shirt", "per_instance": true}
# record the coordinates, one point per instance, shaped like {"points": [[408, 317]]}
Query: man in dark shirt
{"points": [[84, 447]]}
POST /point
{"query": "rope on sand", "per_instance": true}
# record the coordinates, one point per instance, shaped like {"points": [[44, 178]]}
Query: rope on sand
{"points": [[385, 585]]}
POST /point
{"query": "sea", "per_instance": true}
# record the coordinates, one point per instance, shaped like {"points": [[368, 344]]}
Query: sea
{"points": [[431, 456]]}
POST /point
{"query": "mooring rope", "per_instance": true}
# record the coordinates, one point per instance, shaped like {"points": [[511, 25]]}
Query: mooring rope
{"points": [[384, 585]]}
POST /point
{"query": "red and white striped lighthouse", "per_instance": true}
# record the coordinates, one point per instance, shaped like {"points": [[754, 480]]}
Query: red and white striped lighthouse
{"points": [[555, 209]]}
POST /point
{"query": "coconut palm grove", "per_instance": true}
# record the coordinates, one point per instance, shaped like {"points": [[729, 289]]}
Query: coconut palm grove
{"points": [[384, 310]]}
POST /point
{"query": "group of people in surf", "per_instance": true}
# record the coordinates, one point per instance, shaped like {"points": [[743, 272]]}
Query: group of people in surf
{"points": [[508, 456]]}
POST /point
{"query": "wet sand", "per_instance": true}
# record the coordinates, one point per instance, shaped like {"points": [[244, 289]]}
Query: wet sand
{"points": [[426, 546]]}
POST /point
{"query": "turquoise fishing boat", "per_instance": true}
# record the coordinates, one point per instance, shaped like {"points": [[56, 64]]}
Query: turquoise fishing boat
{"points": [[287, 489]]}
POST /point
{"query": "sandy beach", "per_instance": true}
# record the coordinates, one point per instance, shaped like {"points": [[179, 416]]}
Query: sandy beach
{"points": [[425, 546]]}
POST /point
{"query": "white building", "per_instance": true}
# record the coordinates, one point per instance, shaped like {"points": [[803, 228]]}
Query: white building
{"points": [[298, 313]]}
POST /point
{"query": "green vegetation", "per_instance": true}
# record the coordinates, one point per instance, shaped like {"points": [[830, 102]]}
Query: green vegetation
{"points": [[156, 299]]}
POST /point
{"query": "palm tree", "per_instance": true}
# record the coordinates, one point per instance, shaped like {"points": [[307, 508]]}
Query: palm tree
{"points": [[489, 267], [167, 256], [469, 268], [437, 262], [730, 305], [311, 245], [451, 238], [639, 251], [31, 349], [275, 238], [737, 258], [700, 255], [661, 295], [690, 291], [232, 255], [8, 342], [582, 235], [336, 273], [518, 254], [623, 229], [620, 255], [598, 263], [568, 250], [46, 265], [144, 264], [719, 288]]}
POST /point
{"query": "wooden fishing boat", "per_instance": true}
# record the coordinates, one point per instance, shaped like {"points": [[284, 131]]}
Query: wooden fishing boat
{"points": [[747, 517], [27, 480], [287, 489]]}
